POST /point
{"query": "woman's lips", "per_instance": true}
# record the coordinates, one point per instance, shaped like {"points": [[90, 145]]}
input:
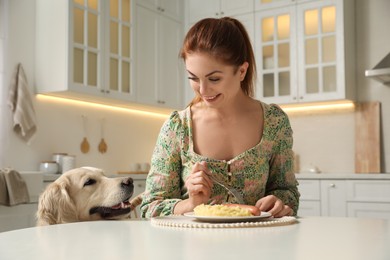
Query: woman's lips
{"points": [[210, 98]]}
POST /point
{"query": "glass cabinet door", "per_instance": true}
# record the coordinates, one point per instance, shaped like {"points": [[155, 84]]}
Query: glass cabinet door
{"points": [[318, 56], [275, 47], [119, 46], [101, 44], [86, 45]]}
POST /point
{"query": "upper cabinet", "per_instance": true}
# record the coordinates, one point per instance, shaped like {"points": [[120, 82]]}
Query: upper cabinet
{"points": [[199, 9], [83, 48], [159, 71], [304, 50], [169, 8]]}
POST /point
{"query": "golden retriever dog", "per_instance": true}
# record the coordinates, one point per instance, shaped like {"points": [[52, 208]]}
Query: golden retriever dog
{"points": [[85, 194]]}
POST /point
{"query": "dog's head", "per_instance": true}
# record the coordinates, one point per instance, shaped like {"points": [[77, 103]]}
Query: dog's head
{"points": [[84, 194]]}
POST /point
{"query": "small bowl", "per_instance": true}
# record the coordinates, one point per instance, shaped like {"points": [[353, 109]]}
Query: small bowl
{"points": [[50, 167]]}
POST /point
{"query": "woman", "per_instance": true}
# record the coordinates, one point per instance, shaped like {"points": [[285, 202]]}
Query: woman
{"points": [[224, 132]]}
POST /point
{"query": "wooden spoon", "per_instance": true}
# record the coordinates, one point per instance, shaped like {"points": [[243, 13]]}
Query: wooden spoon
{"points": [[84, 147], [102, 145]]}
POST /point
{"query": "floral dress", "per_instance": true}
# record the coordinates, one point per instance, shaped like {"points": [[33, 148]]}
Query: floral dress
{"points": [[265, 169]]}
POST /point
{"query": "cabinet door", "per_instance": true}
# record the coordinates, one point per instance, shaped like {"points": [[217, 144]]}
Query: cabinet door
{"points": [[369, 210], [320, 48], [334, 198], [147, 40], [119, 59], [199, 9], [86, 46], [269, 4], [139, 187], [172, 9], [234, 7], [309, 208], [275, 45], [170, 82]]}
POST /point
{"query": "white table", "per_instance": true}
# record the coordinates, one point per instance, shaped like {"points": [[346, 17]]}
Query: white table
{"points": [[311, 238]]}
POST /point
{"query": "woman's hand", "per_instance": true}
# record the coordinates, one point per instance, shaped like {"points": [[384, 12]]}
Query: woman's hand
{"points": [[274, 205], [199, 184], [199, 188]]}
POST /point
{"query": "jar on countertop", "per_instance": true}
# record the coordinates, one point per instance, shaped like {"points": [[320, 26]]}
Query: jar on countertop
{"points": [[58, 157], [50, 167]]}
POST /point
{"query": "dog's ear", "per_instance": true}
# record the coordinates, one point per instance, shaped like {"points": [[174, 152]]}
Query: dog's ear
{"points": [[55, 205]]}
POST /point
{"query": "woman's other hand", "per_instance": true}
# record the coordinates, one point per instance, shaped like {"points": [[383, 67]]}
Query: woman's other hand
{"points": [[274, 205]]}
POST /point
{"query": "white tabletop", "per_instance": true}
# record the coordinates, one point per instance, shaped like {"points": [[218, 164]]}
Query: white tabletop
{"points": [[311, 238]]}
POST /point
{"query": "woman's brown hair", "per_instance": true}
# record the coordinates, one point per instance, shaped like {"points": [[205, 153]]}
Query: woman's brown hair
{"points": [[225, 39]]}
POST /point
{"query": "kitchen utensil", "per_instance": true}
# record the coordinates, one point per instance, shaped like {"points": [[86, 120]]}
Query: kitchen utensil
{"points": [[231, 190], [84, 147], [102, 145]]}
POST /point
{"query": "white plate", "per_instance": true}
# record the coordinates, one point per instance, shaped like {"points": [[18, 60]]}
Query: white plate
{"points": [[227, 219]]}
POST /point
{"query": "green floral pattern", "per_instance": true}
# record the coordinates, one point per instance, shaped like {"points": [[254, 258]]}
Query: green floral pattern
{"points": [[265, 169]]}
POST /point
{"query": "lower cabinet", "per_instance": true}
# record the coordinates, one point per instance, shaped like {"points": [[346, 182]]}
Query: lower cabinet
{"points": [[17, 217], [344, 198]]}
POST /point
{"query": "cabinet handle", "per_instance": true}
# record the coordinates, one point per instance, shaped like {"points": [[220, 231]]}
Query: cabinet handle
{"points": [[140, 185], [107, 91], [161, 101], [300, 97], [332, 185], [216, 14], [222, 13]]}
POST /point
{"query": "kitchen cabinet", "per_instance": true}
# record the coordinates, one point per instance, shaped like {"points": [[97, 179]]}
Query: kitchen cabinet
{"points": [[17, 217], [83, 49], [340, 197], [159, 71], [170, 8], [304, 50], [199, 9]]}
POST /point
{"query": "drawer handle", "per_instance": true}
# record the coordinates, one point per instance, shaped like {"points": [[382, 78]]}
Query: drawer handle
{"points": [[332, 185]]}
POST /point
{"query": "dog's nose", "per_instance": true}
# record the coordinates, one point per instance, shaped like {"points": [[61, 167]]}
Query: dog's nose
{"points": [[127, 182]]}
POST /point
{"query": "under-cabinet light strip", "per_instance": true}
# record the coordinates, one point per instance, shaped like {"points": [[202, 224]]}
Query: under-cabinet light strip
{"points": [[104, 106]]}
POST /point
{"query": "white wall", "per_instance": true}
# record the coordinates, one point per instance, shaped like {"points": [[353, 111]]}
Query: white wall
{"points": [[325, 140]]}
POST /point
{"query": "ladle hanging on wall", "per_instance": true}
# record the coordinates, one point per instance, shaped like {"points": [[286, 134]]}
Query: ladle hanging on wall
{"points": [[84, 146], [102, 145]]}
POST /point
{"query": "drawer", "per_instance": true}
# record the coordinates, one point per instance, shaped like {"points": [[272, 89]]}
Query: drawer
{"points": [[369, 209], [368, 190], [309, 189]]}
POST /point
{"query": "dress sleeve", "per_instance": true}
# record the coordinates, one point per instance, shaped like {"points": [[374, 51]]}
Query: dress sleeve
{"points": [[282, 182], [162, 190]]}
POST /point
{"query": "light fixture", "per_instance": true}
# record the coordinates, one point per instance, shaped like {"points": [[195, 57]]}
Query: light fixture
{"points": [[323, 107], [134, 109]]}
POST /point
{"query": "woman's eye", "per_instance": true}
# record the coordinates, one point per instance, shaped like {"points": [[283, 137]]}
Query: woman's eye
{"points": [[193, 79], [89, 182], [214, 79]]}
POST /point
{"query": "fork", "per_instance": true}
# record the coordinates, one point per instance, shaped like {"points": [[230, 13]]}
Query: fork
{"points": [[231, 190]]}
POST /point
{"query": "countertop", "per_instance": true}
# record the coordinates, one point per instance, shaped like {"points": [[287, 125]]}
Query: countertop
{"points": [[320, 238]]}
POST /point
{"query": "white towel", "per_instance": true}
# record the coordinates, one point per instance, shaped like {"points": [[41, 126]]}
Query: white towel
{"points": [[21, 104]]}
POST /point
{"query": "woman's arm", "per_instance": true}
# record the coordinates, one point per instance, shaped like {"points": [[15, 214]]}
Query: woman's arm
{"points": [[281, 181], [163, 187]]}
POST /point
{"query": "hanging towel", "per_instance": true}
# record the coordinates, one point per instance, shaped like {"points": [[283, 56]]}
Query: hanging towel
{"points": [[13, 188], [21, 104]]}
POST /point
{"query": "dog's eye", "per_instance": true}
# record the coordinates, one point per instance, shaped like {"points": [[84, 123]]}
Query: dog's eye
{"points": [[89, 182]]}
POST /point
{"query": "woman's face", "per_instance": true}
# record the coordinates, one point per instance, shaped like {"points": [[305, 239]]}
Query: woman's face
{"points": [[215, 82]]}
